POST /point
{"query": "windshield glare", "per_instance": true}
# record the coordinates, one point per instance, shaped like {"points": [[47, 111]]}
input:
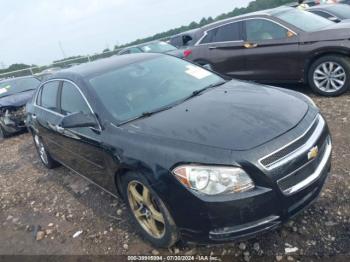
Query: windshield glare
{"points": [[160, 47], [304, 20], [130, 91], [13, 86]]}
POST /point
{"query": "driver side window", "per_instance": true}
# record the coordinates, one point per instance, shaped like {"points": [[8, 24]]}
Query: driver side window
{"points": [[72, 101], [261, 30]]}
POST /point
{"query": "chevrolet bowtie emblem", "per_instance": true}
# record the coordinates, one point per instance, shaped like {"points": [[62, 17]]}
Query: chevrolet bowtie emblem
{"points": [[313, 153]]}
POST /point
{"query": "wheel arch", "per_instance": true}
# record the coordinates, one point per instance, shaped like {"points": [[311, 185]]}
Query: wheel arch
{"points": [[124, 169], [336, 51]]}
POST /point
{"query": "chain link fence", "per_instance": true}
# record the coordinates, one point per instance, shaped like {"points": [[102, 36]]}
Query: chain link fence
{"points": [[37, 70]]}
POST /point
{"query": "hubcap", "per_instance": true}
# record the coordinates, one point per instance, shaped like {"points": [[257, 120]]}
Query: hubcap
{"points": [[329, 77], [145, 209], [41, 149]]}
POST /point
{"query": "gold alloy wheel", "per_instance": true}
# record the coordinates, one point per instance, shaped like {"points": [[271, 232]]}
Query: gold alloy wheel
{"points": [[145, 209]]}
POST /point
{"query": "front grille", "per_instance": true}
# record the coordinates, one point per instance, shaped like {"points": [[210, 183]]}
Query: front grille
{"points": [[280, 154], [308, 168]]}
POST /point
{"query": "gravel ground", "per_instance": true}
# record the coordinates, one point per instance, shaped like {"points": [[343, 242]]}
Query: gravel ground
{"points": [[58, 213]]}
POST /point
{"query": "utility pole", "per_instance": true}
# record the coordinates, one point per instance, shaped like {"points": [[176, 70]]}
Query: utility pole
{"points": [[61, 47]]}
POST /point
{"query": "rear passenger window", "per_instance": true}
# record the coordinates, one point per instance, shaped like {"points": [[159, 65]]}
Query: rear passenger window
{"points": [[72, 100], [225, 33], [49, 96]]}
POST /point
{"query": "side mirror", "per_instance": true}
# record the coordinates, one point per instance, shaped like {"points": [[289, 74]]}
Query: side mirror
{"points": [[79, 120], [334, 19]]}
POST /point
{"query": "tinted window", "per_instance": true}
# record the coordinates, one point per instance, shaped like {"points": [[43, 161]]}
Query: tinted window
{"points": [[225, 33], [49, 95], [72, 100], [134, 50], [320, 13], [259, 29]]}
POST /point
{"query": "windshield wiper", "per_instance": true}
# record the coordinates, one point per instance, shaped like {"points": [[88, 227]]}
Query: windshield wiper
{"points": [[148, 114], [200, 91], [164, 108]]}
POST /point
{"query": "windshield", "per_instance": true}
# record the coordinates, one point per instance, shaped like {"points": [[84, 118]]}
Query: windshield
{"points": [[130, 91], [159, 47], [13, 86], [303, 20], [341, 11]]}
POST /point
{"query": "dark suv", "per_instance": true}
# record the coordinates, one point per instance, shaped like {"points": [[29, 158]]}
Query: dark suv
{"points": [[282, 45]]}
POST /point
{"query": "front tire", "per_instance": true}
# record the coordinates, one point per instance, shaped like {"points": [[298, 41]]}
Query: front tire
{"points": [[148, 211], [44, 155], [330, 75]]}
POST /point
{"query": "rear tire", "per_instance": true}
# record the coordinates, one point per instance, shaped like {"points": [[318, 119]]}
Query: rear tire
{"points": [[148, 211], [44, 155], [330, 75]]}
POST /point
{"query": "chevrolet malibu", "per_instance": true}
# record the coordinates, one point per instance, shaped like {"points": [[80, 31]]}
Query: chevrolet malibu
{"points": [[194, 156]]}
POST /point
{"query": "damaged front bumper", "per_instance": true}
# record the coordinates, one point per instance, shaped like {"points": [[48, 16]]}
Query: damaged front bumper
{"points": [[13, 119]]}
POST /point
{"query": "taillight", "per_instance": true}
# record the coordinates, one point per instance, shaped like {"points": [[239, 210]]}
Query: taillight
{"points": [[187, 52]]}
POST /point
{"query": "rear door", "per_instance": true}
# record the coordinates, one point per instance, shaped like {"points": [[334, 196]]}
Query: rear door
{"points": [[271, 51], [47, 117], [222, 48]]}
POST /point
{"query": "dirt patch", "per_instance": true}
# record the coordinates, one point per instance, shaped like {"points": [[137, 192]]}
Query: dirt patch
{"points": [[74, 217]]}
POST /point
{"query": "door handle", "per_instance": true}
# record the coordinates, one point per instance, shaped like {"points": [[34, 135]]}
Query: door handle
{"points": [[250, 45], [212, 47]]}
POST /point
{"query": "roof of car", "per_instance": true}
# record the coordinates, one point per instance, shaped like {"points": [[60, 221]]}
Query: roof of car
{"points": [[103, 65], [267, 12], [325, 7]]}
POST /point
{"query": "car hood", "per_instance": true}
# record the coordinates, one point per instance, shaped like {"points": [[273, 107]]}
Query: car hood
{"points": [[16, 100], [235, 116], [336, 31]]}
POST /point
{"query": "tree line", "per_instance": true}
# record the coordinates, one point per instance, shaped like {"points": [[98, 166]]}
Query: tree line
{"points": [[253, 6]]}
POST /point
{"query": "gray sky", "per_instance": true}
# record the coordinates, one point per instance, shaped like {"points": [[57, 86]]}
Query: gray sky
{"points": [[32, 29]]}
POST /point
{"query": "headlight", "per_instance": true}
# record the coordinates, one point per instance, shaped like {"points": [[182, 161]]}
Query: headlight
{"points": [[310, 100], [212, 180]]}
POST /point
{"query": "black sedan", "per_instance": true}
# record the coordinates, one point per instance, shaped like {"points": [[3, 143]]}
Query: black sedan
{"points": [[333, 12], [14, 95], [193, 155]]}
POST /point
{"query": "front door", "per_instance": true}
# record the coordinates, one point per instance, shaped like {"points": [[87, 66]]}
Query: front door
{"points": [[271, 52], [81, 148]]}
